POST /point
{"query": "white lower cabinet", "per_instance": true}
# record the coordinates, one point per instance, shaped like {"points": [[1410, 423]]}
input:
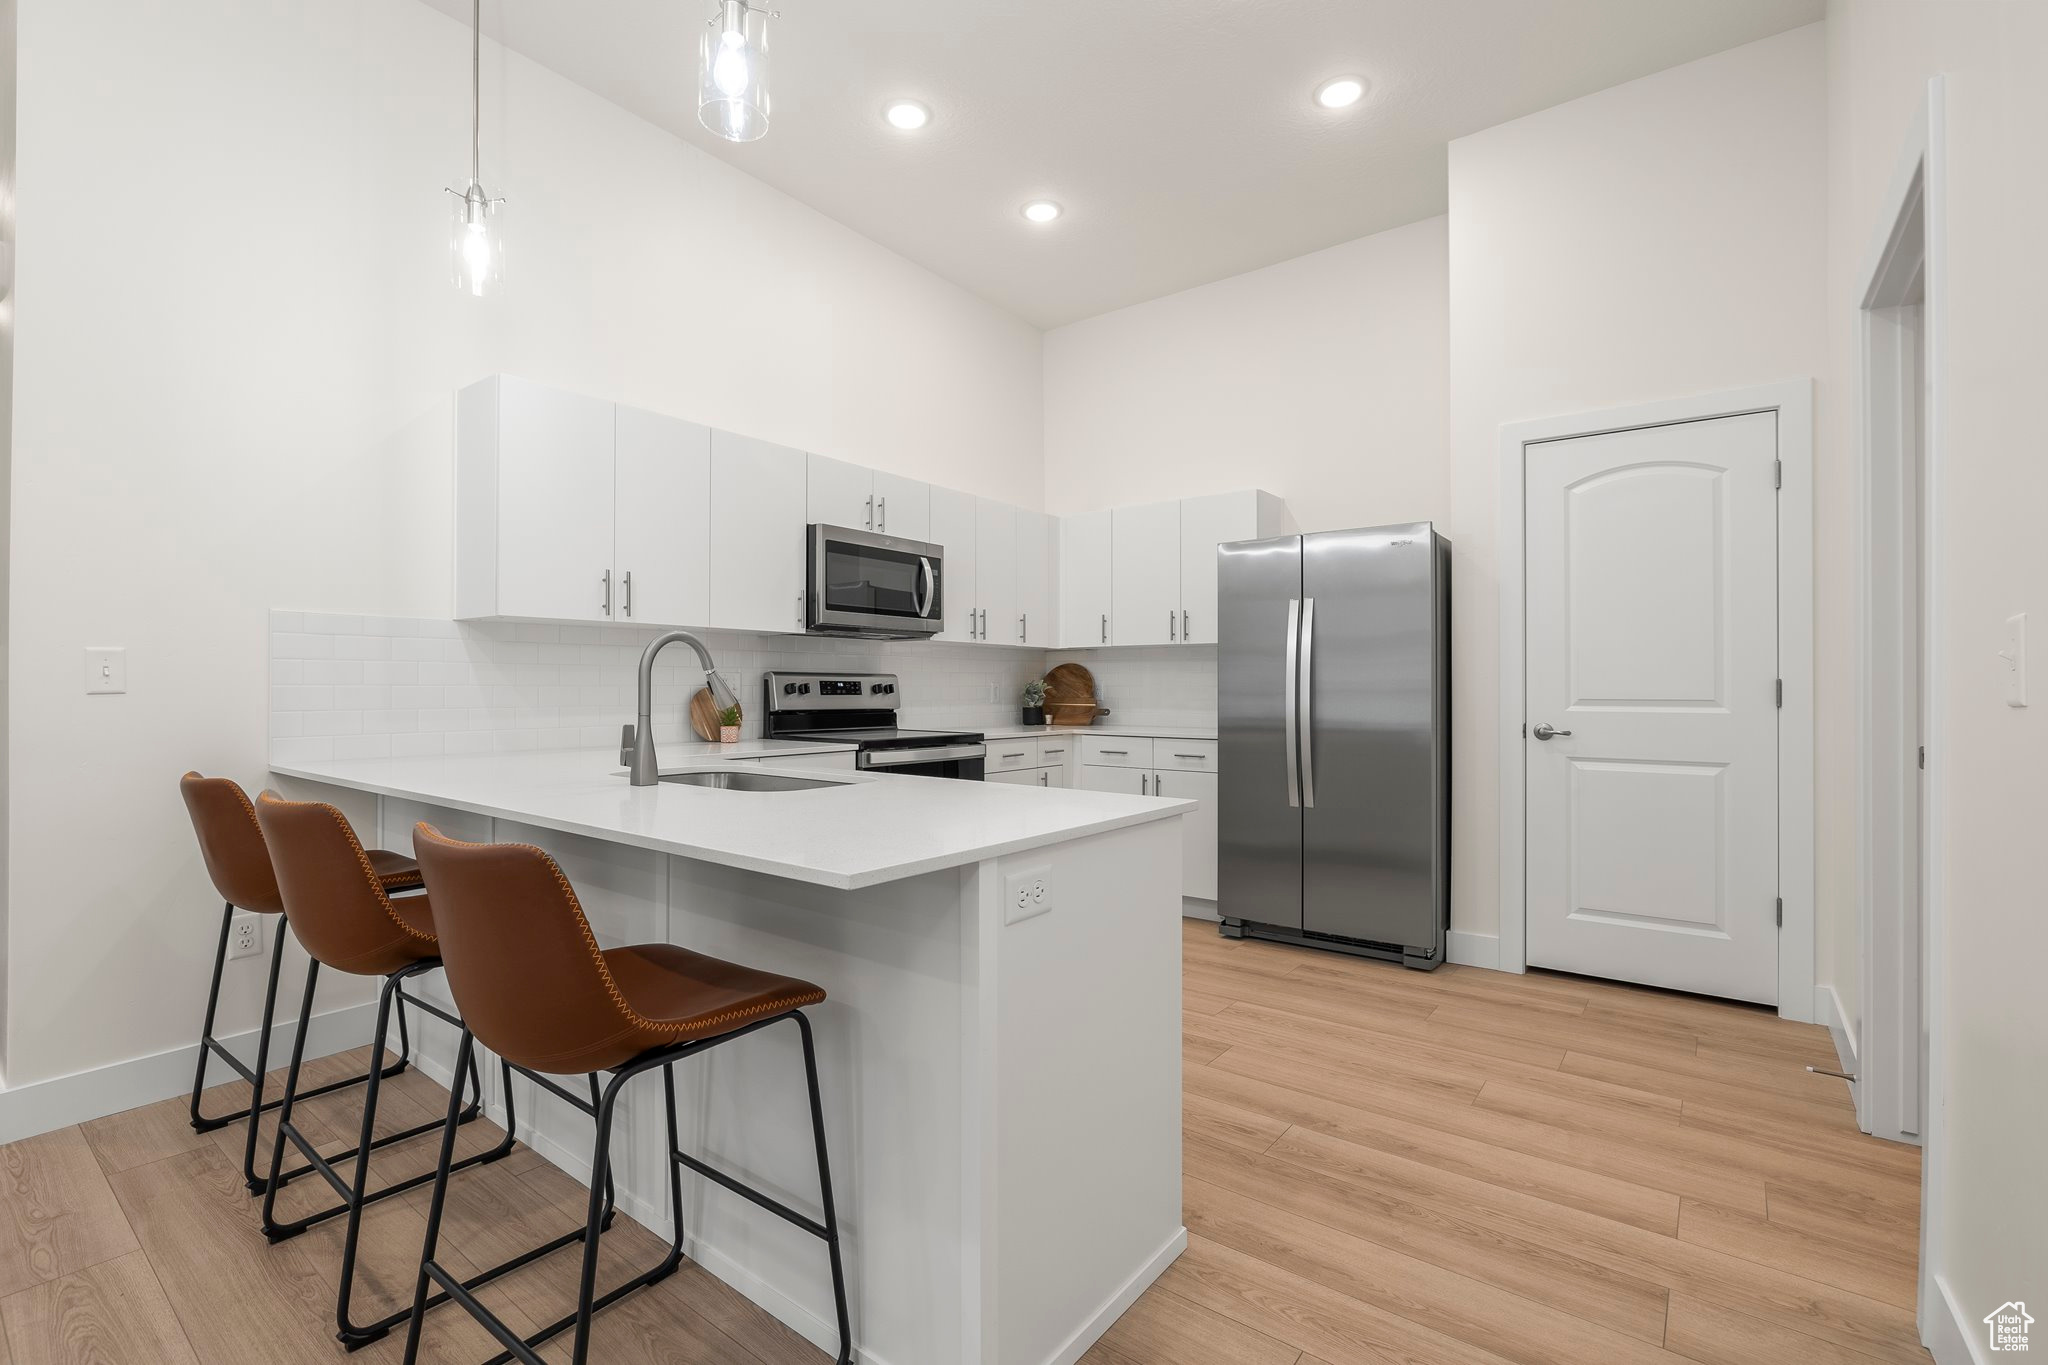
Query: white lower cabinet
{"points": [[1106, 766], [1197, 831], [1017, 777]]}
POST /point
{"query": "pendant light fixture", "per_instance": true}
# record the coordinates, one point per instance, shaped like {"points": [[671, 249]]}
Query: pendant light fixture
{"points": [[732, 72], [476, 245]]}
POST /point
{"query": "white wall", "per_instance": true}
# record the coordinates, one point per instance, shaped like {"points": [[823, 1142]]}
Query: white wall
{"points": [[1990, 1240], [1662, 238], [1321, 379], [237, 389]]}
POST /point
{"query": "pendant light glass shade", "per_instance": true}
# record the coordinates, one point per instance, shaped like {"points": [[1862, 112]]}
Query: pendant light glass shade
{"points": [[732, 73], [476, 245]]}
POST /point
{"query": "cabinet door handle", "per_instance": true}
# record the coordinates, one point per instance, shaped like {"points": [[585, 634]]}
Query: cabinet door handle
{"points": [[984, 623], [1159, 784], [1023, 625], [1199, 758], [1044, 779], [1105, 627], [1018, 754], [1173, 625], [799, 611], [871, 512], [1118, 752], [881, 514], [607, 592], [1185, 638], [626, 585], [1144, 784]]}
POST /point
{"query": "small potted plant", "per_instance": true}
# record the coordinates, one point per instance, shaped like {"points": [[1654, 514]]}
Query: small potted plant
{"points": [[1034, 702], [729, 725]]}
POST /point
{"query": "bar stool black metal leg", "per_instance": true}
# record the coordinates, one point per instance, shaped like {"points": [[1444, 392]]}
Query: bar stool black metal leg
{"points": [[262, 1066], [220, 961], [611, 1194], [825, 1188], [600, 1179], [463, 1055]]}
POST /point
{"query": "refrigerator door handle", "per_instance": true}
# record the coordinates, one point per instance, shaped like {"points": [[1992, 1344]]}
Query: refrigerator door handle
{"points": [[1293, 696], [1308, 702]]}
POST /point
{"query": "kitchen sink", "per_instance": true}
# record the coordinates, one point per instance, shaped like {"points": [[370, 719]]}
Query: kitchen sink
{"points": [[750, 782]]}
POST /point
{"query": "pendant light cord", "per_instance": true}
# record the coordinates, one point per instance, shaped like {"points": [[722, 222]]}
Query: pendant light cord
{"points": [[476, 87]]}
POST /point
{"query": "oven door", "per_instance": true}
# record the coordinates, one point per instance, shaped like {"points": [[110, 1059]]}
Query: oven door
{"points": [[962, 761], [881, 587]]}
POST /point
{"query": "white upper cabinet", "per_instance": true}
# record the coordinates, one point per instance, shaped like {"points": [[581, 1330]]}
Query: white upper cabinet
{"points": [[1085, 576], [995, 572], [1037, 579], [758, 495], [903, 507], [1206, 523], [533, 525], [1145, 574], [953, 530], [662, 520], [841, 494]]}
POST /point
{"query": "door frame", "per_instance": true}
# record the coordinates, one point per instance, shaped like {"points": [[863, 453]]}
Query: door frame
{"points": [[1792, 401]]}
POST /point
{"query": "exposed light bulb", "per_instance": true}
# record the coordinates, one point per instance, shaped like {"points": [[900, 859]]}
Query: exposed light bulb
{"points": [[476, 258], [478, 254], [729, 67]]}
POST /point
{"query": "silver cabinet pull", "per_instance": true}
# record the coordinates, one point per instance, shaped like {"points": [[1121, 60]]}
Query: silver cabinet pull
{"points": [[1144, 781], [1159, 784], [1199, 758], [799, 611], [607, 592], [1173, 625], [1185, 638], [881, 514], [871, 512], [1045, 779], [1022, 617], [1544, 731], [1018, 754], [1118, 752], [984, 623], [1105, 627], [627, 586]]}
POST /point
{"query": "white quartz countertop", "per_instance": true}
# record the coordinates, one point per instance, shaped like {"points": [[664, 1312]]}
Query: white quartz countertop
{"points": [[876, 828], [1108, 731]]}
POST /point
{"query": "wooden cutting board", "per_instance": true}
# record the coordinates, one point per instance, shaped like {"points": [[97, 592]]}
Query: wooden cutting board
{"points": [[704, 715], [1070, 696]]}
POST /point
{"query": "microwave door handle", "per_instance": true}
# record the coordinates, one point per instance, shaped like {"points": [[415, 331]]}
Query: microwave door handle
{"points": [[931, 587], [1293, 724]]}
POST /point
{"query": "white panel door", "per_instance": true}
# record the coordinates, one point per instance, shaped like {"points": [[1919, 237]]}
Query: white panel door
{"points": [[1085, 577], [554, 504], [1652, 649], [1129, 781], [757, 534], [1037, 553], [1145, 574], [1206, 523], [662, 519], [995, 569], [841, 494], [1197, 831], [953, 516], [903, 507]]}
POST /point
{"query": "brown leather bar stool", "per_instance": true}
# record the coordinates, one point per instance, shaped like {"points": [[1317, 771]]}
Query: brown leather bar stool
{"points": [[536, 989], [231, 843], [341, 911]]}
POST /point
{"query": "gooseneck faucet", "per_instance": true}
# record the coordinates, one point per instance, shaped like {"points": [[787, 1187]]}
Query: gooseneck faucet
{"points": [[641, 768]]}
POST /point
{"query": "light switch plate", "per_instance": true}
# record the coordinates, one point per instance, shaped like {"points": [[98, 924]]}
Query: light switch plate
{"points": [[106, 669], [2015, 656]]}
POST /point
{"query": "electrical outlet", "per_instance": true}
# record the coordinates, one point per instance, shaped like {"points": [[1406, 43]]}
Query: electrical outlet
{"points": [[245, 935], [1027, 893]]}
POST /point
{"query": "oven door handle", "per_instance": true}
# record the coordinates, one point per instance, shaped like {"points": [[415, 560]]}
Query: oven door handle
{"points": [[931, 588], [897, 758]]}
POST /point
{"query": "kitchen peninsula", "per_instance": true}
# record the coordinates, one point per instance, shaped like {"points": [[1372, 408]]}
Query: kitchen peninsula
{"points": [[999, 1053]]}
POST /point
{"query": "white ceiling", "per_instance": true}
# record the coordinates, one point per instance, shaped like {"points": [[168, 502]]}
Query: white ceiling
{"points": [[1179, 134]]}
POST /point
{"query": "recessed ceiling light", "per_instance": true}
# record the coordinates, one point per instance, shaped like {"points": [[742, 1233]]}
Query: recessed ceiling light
{"points": [[1340, 93], [906, 115], [1042, 210]]}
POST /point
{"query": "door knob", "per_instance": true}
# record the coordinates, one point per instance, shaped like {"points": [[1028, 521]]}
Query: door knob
{"points": [[1544, 731]]}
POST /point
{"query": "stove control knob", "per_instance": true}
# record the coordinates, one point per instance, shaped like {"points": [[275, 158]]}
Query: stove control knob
{"points": [[789, 689], [804, 689], [890, 688], [877, 687]]}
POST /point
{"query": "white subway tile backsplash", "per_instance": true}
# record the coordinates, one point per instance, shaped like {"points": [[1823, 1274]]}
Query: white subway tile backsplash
{"points": [[354, 686]]}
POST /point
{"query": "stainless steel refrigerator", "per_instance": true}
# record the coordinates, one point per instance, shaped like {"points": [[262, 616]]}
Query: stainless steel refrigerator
{"points": [[1333, 703]]}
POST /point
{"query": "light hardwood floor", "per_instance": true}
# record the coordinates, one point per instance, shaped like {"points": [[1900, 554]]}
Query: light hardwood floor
{"points": [[1381, 1165]]}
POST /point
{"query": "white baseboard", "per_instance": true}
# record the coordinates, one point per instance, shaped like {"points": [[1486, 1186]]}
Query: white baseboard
{"points": [[1474, 950], [45, 1106], [1114, 1307], [1190, 908], [1949, 1335], [1827, 1008]]}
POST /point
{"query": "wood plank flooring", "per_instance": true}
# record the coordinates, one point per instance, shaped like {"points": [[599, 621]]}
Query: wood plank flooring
{"points": [[1381, 1165]]}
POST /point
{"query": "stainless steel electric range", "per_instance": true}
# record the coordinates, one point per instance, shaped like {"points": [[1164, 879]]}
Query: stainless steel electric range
{"points": [[860, 709]]}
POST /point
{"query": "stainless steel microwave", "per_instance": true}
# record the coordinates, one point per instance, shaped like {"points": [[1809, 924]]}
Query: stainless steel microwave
{"points": [[873, 586]]}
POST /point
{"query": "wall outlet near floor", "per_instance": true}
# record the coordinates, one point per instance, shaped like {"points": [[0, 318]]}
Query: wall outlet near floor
{"points": [[1027, 893], [245, 935]]}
